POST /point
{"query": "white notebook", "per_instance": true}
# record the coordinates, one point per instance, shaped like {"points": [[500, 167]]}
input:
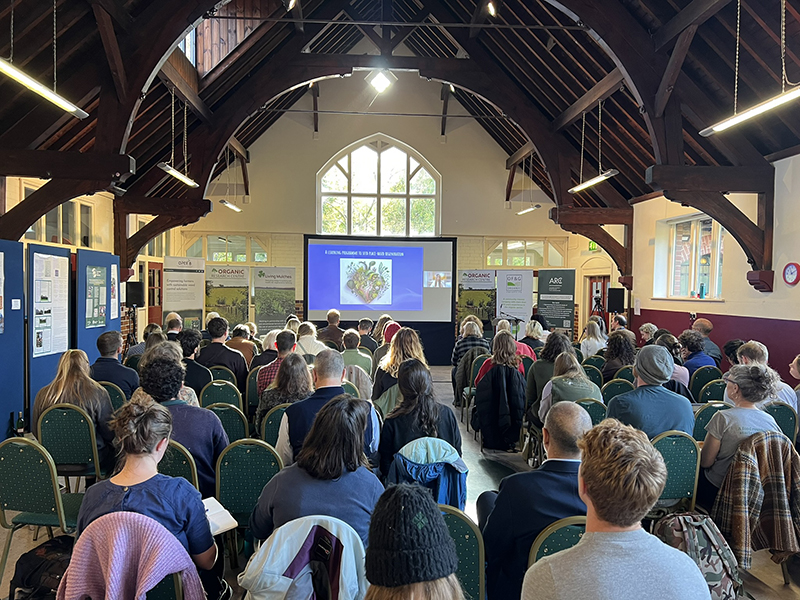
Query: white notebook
{"points": [[219, 518]]}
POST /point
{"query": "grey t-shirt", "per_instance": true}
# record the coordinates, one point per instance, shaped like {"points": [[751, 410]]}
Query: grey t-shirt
{"points": [[731, 427], [611, 566]]}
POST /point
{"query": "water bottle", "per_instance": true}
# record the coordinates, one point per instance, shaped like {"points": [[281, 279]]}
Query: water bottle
{"points": [[702, 290], [20, 425]]}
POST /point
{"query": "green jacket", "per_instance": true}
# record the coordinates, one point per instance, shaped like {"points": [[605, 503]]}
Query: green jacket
{"points": [[355, 357]]}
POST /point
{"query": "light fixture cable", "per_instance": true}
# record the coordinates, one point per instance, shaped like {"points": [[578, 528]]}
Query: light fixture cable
{"points": [[172, 127], [185, 142], [11, 32], [736, 65], [599, 136], [583, 145]]}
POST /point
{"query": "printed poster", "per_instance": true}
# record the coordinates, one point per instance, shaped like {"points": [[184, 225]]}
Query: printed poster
{"points": [[557, 298], [184, 289], [114, 292], [228, 292], [274, 296], [96, 298], [2, 292], [50, 304], [477, 295], [515, 298]]}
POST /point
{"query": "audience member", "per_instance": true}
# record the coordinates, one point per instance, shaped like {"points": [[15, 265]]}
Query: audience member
{"points": [[390, 329], [620, 478], [651, 407], [746, 386], [545, 326], [332, 332], [528, 502], [217, 354], [542, 371], [411, 555], [292, 383], [240, 340], [254, 336], [174, 327], [621, 352], [569, 384], [756, 353], [533, 334], [154, 339], [405, 345], [209, 316], [704, 327], [269, 351], [197, 376], [673, 346], [601, 323], [502, 354], [417, 416], [331, 477], [470, 338], [293, 324], [365, 339], [138, 349], [169, 351], [522, 349], [730, 348], [594, 340], [794, 371], [351, 354], [661, 331], [648, 331], [377, 331], [108, 368], [618, 322], [73, 385], [285, 343], [693, 352], [307, 340]]}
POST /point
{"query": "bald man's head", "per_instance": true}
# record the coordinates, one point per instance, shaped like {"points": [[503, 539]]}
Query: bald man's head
{"points": [[565, 423]]}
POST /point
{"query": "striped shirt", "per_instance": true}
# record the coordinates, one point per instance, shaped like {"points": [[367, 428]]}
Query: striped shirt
{"points": [[465, 344]]}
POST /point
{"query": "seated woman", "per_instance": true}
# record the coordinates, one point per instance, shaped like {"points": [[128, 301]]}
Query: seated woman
{"points": [[648, 331], [594, 340], [388, 332], [542, 371], [292, 384], [418, 415], [307, 342], [404, 346], [502, 354], [569, 383], [73, 385], [522, 349], [621, 352], [330, 477], [269, 352], [533, 334], [747, 385], [671, 343], [143, 429], [169, 351]]}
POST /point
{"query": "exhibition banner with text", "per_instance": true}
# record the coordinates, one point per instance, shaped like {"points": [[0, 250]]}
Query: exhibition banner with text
{"points": [[557, 298], [228, 292], [477, 294], [184, 289], [515, 298], [274, 296]]}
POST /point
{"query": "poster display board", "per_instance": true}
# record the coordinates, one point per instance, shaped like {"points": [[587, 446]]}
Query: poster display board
{"points": [[557, 297], [12, 333], [50, 304], [2, 290], [228, 292], [477, 295], [114, 292], [184, 289], [96, 296], [96, 299], [274, 296]]}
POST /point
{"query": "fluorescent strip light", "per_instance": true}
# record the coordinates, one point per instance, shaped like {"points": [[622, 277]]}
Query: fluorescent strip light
{"points": [[752, 112], [233, 207], [491, 8], [33, 85], [178, 175], [594, 181], [529, 209]]}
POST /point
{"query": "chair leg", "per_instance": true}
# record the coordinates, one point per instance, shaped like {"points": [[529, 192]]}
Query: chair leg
{"points": [[785, 570], [67, 485], [49, 533], [36, 534], [6, 548]]}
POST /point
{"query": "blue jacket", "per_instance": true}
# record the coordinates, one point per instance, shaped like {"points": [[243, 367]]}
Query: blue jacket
{"points": [[697, 360], [526, 504], [113, 371], [653, 409]]}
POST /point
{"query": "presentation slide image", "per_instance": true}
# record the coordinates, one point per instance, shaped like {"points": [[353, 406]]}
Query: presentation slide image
{"points": [[438, 279], [365, 282]]}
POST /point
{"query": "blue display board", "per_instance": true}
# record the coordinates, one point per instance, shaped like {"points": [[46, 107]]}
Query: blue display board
{"points": [[12, 332], [96, 299], [49, 308]]}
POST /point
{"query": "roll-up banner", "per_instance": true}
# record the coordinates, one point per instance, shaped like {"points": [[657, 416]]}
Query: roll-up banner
{"points": [[228, 292], [477, 295], [184, 289], [515, 298], [557, 298], [274, 296]]}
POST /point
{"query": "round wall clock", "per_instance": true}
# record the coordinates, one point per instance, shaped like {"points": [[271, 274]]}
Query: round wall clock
{"points": [[791, 273]]}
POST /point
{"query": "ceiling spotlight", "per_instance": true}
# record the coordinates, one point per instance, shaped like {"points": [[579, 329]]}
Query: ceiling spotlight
{"points": [[452, 89], [289, 4], [381, 80], [491, 8], [230, 205]]}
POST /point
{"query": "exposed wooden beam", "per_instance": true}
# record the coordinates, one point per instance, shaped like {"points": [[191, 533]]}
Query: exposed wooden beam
{"points": [[368, 31], [401, 36], [3, 195], [600, 91], [49, 164], [297, 14], [445, 100], [113, 55], [785, 153], [117, 12], [519, 155], [711, 179], [386, 31], [696, 13], [315, 102], [152, 205], [570, 215], [510, 182], [674, 68], [618, 253], [239, 149], [184, 90], [128, 249], [478, 17], [645, 197]]}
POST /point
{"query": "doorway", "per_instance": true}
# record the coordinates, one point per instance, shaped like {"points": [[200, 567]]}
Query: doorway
{"points": [[154, 291], [597, 288]]}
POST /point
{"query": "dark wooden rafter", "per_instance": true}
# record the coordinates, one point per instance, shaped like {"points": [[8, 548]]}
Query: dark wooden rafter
{"points": [[445, 101], [478, 17], [600, 91], [386, 31], [567, 216], [244, 157], [368, 31], [184, 89], [297, 14], [401, 36], [48, 164], [673, 69], [619, 254], [315, 104], [113, 55], [696, 13], [154, 205], [510, 182], [116, 11]]}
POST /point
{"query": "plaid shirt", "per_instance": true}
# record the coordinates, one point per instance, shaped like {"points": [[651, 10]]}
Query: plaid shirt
{"points": [[463, 345], [267, 373], [759, 501]]}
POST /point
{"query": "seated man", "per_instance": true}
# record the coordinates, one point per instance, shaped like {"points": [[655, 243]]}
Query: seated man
{"points": [[332, 333], [197, 376], [619, 322], [108, 368], [620, 478], [529, 502], [296, 422], [704, 327], [351, 353], [217, 354], [285, 342], [756, 353], [240, 340], [694, 355], [174, 327], [366, 340], [651, 407]]}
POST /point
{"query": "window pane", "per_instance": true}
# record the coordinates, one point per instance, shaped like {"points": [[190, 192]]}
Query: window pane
{"points": [[237, 248], [257, 251], [682, 256], [423, 216], [334, 215], [159, 246], [423, 183], [413, 164], [704, 257], [365, 170], [86, 226], [554, 256], [364, 216], [515, 253], [343, 163], [393, 216], [334, 181], [195, 250], [51, 233], [217, 249], [34, 232], [393, 171], [718, 290], [535, 253], [68, 223], [495, 256]]}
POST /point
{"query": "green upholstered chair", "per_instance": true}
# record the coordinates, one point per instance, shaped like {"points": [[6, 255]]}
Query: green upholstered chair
{"points": [[271, 424], [713, 391], [527, 363], [595, 360], [469, 393], [625, 373], [682, 457], [579, 354], [251, 391], [562, 534], [349, 388], [601, 353], [365, 350], [595, 408], [217, 391], [179, 462], [169, 588], [233, 421], [220, 373], [701, 377], [331, 345], [309, 358], [470, 551], [116, 395], [133, 362], [614, 388], [537, 351], [389, 400], [786, 418], [29, 488], [594, 374], [703, 416]]}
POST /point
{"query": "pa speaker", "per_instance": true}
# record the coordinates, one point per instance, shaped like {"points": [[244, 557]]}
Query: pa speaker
{"points": [[134, 293], [616, 300]]}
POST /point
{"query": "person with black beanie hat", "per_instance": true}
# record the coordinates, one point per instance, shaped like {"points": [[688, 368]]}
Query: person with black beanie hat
{"points": [[410, 553]]}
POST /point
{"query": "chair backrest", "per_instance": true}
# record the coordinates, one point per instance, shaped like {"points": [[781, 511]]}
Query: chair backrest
{"points": [[218, 391], [595, 408], [243, 469], [626, 373], [562, 534], [271, 424], [389, 399], [28, 481], [252, 387], [470, 551], [578, 353], [233, 421], [701, 377], [594, 374], [537, 351], [786, 418], [220, 373], [116, 395], [527, 363], [179, 462], [703, 416], [476, 367], [682, 457], [615, 387], [309, 358], [365, 350], [330, 344], [349, 388], [133, 361], [595, 360], [713, 391], [169, 588], [67, 433]]}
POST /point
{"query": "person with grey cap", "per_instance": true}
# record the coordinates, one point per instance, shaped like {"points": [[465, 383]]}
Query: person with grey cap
{"points": [[651, 407], [411, 555]]}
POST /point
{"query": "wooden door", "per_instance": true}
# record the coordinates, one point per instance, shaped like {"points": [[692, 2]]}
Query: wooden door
{"points": [[598, 288], [155, 291]]}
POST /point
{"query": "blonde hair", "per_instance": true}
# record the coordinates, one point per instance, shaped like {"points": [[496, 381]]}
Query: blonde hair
{"points": [[503, 325], [446, 588], [211, 315], [306, 328], [753, 351], [72, 384], [593, 331], [404, 345], [470, 329], [504, 350], [293, 324], [534, 329], [567, 365], [623, 472], [649, 329], [377, 332], [472, 319]]}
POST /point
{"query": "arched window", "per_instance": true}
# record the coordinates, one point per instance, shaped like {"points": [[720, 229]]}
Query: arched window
{"points": [[378, 186]]}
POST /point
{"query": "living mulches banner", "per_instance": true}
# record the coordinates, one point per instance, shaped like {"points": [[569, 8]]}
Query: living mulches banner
{"points": [[228, 292], [557, 297], [477, 294], [274, 296], [184, 289]]}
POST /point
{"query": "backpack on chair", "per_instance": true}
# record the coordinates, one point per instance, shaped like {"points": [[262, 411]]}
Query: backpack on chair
{"points": [[697, 535], [39, 571]]}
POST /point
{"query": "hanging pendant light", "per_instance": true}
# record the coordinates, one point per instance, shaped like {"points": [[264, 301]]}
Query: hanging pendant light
{"points": [[227, 203], [168, 167], [602, 175]]}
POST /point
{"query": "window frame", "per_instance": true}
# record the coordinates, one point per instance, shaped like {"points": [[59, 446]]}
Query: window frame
{"points": [[715, 271], [39, 227], [560, 244]]}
